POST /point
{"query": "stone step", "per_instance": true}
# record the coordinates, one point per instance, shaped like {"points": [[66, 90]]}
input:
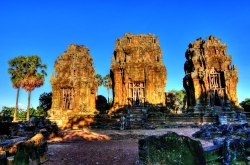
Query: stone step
{"points": [[136, 107], [135, 125], [136, 111], [134, 116]]}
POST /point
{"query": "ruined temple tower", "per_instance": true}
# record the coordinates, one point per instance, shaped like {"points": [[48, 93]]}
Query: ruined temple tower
{"points": [[73, 86], [137, 71], [210, 78]]}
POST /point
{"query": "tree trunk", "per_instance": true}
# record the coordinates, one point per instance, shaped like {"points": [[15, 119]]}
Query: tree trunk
{"points": [[108, 95], [28, 107], [16, 110]]}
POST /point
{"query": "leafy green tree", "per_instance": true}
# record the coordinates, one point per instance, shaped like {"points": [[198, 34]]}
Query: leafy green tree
{"points": [[8, 112], [45, 101], [107, 83], [21, 115], [245, 103], [179, 94], [33, 112], [36, 112], [16, 76], [40, 111], [99, 78], [34, 77]]}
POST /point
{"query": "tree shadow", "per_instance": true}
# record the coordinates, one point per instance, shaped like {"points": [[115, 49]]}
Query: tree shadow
{"points": [[83, 135]]}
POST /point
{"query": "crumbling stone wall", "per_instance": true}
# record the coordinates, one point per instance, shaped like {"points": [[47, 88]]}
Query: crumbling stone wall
{"points": [[137, 71], [210, 78], [73, 86]]}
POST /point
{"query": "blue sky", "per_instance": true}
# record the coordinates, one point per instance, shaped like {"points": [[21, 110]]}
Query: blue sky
{"points": [[46, 28]]}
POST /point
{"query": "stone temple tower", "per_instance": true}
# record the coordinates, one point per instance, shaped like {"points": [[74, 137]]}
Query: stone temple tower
{"points": [[137, 71], [210, 78], [74, 86]]}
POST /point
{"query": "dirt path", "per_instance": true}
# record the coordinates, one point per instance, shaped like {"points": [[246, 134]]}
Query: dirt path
{"points": [[103, 147]]}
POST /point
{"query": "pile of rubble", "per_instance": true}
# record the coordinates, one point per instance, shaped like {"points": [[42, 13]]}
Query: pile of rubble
{"points": [[227, 130], [25, 142], [23, 150], [231, 139]]}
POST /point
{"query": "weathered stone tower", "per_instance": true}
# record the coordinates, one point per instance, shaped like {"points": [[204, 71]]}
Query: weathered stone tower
{"points": [[210, 78], [74, 86], [137, 71]]}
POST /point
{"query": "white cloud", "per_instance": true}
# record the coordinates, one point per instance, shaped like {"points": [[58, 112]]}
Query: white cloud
{"points": [[20, 106]]}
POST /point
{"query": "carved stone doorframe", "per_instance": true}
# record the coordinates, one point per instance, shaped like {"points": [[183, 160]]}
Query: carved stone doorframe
{"points": [[136, 93], [68, 98], [216, 92], [214, 79]]}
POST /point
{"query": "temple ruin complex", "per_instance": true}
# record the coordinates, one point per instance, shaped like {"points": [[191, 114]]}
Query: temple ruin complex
{"points": [[137, 71], [210, 78], [73, 86]]}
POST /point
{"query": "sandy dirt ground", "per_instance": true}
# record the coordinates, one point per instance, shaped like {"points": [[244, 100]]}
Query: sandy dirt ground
{"points": [[103, 147]]}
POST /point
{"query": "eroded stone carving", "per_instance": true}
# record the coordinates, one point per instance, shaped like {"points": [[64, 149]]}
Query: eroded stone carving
{"points": [[210, 78], [73, 86], [137, 71]]}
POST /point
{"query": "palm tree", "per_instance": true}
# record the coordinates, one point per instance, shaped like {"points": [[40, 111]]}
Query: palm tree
{"points": [[16, 76], [99, 78], [107, 83], [34, 77]]}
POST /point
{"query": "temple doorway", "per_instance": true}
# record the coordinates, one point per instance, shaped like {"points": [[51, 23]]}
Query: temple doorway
{"points": [[136, 94], [216, 89]]}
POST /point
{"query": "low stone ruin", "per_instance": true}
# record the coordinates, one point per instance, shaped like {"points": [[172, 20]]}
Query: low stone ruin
{"points": [[170, 148], [22, 150], [25, 142], [231, 140], [230, 136]]}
